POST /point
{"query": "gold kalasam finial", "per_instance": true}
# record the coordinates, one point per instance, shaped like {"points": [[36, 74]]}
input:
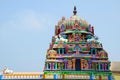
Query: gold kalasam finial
{"points": [[75, 12]]}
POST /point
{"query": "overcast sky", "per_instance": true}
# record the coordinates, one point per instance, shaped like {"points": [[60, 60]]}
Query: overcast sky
{"points": [[27, 27]]}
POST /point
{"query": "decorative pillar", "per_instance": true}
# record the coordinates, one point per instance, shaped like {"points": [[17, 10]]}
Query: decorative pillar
{"points": [[47, 65], [91, 50], [50, 65], [95, 50], [53, 66], [89, 64], [65, 65], [99, 66], [69, 64], [73, 60], [95, 66], [59, 66], [92, 66], [62, 50], [58, 50], [103, 66], [108, 66], [56, 65]]}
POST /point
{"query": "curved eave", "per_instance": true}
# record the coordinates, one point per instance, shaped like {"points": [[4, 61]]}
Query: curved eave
{"points": [[69, 31], [72, 56], [54, 61]]}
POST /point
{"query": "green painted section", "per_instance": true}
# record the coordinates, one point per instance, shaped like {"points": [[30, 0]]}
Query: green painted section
{"points": [[79, 72]]}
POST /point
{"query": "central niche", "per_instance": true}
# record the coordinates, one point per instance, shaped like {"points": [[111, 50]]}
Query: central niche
{"points": [[77, 48], [78, 65]]}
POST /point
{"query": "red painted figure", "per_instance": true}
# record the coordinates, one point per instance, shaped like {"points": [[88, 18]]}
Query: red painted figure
{"points": [[93, 30]]}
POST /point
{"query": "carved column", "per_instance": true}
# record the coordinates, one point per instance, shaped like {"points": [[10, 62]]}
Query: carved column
{"points": [[47, 65], [65, 65], [62, 50], [89, 64], [99, 66], [73, 60], [58, 50], [108, 66], [55, 65], [103, 66], [50, 66], [69, 64]]}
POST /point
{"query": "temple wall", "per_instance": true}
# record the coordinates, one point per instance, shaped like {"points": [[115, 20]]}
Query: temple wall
{"points": [[115, 66]]}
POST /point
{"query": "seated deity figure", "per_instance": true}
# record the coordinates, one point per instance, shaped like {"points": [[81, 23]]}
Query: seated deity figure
{"points": [[77, 38], [71, 38]]}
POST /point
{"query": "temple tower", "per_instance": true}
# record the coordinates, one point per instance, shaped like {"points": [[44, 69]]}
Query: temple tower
{"points": [[75, 52]]}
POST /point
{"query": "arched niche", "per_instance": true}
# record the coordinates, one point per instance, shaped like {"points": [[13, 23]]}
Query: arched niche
{"points": [[62, 28], [77, 47]]}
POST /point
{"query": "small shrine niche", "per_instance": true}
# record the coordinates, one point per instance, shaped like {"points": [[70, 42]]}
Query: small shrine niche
{"points": [[77, 48], [71, 38], [77, 37]]}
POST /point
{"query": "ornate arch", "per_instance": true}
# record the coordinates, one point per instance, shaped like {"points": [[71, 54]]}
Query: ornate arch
{"points": [[77, 47]]}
